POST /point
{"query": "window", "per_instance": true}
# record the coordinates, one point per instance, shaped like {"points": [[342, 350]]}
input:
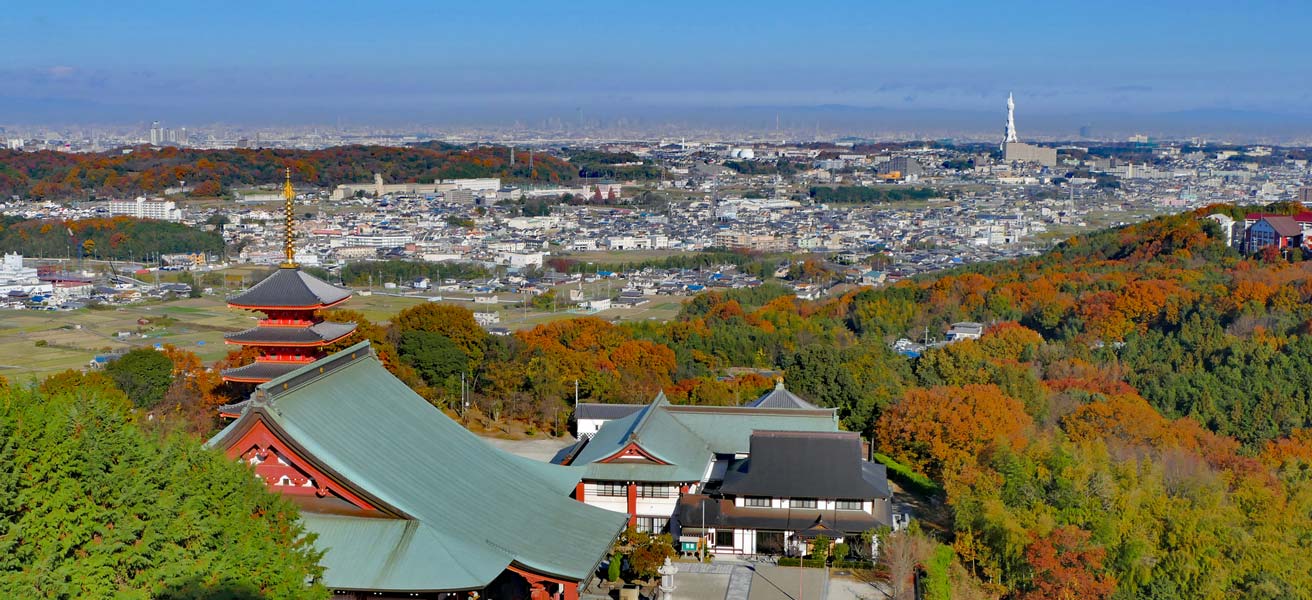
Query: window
{"points": [[849, 505], [724, 538], [612, 489], [802, 503], [769, 542], [757, 501], [652, 524], [653, 491]]}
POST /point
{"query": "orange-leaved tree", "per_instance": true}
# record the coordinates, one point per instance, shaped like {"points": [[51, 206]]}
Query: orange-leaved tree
{"points": [[944, 429]]}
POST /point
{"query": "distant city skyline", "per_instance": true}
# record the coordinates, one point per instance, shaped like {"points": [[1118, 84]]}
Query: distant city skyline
{"points": [[1114, 66]]}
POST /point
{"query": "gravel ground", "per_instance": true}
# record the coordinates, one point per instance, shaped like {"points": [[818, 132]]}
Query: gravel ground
{"points": [[538, 449]]}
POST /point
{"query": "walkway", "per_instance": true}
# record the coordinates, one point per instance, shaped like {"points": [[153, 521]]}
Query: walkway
{"points": [[740, 576]]}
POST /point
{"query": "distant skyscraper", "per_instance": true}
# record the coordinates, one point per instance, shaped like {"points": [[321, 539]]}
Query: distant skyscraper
{"points": [[1086, 132], [156, 134], [1010, 135]]}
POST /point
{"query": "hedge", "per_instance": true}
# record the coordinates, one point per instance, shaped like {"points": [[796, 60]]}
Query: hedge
{"points": [[791, 561], [907, 478]]}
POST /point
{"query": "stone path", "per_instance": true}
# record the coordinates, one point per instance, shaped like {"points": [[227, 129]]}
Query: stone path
{"points": [[740, 583], [740, 576], [712, 567]]}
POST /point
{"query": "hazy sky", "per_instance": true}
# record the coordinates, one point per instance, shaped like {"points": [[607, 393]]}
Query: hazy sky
{"points": [[415, 61]]}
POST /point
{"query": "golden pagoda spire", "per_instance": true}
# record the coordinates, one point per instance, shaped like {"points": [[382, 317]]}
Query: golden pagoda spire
{"points": [[288, 195]]}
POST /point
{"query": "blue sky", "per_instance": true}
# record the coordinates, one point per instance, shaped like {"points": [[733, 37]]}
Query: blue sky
{"points": [[229, 61]]}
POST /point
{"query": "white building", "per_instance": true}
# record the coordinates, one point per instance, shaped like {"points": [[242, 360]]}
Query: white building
{"points": [[141, 208], [377, 239], [378, 189], [20, 280], [517, 260]]}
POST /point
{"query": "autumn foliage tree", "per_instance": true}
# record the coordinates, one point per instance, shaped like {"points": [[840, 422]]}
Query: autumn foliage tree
{"points": [[1067, 566], [944, 429]]}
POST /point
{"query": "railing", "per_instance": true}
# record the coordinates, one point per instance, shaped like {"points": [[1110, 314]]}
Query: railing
{"points": [[285, 358], [285, 323]]}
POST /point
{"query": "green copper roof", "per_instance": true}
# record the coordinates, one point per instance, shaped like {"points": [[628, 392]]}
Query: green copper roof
{"points": [[472, 509], [687, 437]]}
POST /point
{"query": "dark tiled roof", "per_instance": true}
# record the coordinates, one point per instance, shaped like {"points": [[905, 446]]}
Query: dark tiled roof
{"points": [[693, 508], [261, 371], [592, 410], [290, 288], [802, 464], [235, 408], [780, 397], [316, 334]]}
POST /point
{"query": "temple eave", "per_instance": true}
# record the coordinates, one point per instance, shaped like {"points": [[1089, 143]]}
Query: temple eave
{"points": [[307, 307]]}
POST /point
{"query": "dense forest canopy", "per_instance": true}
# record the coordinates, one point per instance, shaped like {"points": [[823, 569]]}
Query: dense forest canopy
{"points": [[94, 505], [113, 238], [145, 170], [598, 164]]}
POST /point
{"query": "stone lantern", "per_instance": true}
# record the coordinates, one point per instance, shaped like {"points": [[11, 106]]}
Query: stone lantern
{"points": [[667, 572]]}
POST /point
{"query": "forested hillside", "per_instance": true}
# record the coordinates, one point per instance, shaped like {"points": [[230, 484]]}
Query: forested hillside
{"points": [[1134, 423], [114, 238], [145, 170]]}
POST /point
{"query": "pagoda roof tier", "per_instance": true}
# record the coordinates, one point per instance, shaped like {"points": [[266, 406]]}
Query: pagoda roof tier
{"points": [[318, 334], [260, 372], [290, 288]]}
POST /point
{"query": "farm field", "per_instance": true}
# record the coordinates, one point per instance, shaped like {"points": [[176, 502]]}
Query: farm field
{"points": [[35, 344]]}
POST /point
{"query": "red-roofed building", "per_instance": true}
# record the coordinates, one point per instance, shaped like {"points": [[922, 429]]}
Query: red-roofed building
{"points": [[1280, 231]]}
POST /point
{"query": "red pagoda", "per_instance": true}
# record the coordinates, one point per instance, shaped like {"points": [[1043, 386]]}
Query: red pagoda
{"points": [[292, 334]]}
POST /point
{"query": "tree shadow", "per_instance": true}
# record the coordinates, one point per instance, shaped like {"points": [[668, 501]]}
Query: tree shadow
{"points": [[195, 589]]}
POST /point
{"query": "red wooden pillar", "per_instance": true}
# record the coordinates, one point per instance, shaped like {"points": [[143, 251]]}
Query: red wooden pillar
{"points": [[578, 492], [537, 590], [563, 590], [633, 504]]}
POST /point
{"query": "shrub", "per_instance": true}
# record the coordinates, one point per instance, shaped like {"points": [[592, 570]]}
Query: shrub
{"points": [[613, 571], [840, 552]]}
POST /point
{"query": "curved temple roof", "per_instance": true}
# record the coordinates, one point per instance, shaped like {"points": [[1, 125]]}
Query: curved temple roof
{"points": [[290, 288], [466, 510], [314, 335], [259, 372]]}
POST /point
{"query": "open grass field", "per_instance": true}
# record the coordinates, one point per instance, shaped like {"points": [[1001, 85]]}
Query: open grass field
{"points": [[70, 340]]}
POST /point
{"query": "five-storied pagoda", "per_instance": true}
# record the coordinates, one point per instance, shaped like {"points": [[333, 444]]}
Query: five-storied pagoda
{"points": [[293, 332]]}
